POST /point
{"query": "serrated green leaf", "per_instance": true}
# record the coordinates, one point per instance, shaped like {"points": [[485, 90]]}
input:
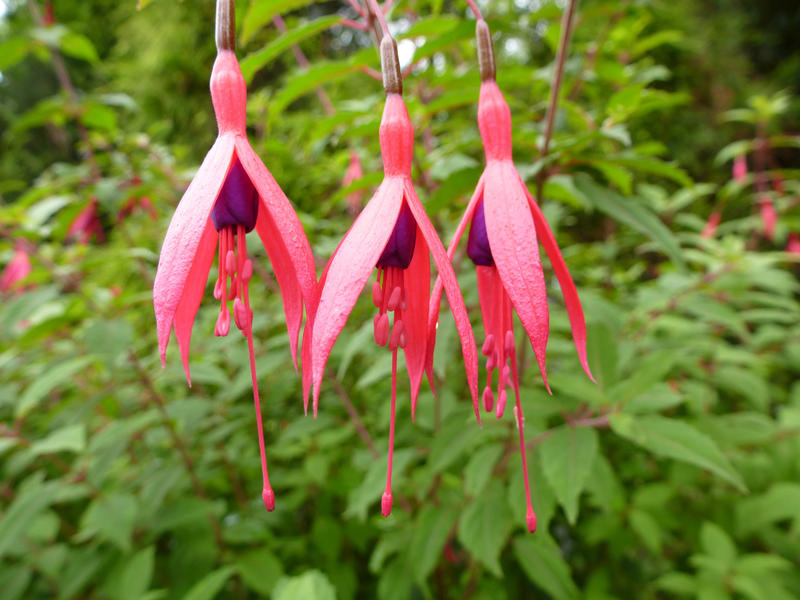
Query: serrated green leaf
{"points": [[256, 61], [567, 458], [210, 585], [484, 527], [71, 438], [542, 562], [634, 214], [430, 534], [311, 585], [676, 439], [48, 381]]}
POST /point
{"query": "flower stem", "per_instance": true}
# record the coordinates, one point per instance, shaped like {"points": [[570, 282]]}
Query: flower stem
{"points": [[555, 86], [226, 25]]}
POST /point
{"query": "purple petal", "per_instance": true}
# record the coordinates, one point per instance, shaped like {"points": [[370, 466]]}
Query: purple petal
{"points": [[478, 242], [400, 247], [237, 203]]}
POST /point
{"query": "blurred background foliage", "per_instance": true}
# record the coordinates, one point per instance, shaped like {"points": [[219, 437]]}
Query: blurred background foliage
{"points": [[676, 476]]}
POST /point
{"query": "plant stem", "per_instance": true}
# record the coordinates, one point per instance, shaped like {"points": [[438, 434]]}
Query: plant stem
{"points": [[555, 86]]}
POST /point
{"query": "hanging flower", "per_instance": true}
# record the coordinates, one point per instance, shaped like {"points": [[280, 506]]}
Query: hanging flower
{"points": [[86, 225], [769, 218], [17, 269], [505, 223], [392, 236], [793, 244], [739, 170], [711, 225], [231, 194], [354, 173]]}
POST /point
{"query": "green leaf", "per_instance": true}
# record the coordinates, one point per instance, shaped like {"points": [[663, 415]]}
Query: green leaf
{"points": [[14, 581], [780, 502], [430, 534], [567, 457], [634, 214], [601, 349], [136, 575], [311, 585], [12, 51], [261, 12], [260, 569], [542, 562], [647, 528], [71, 438], [48, 381], [479, 468], [78, 46], [110, 518], [717, 544], [677, 440], [210, 585], [484, 527], [303, 82], [256, 61], [20, 515]]}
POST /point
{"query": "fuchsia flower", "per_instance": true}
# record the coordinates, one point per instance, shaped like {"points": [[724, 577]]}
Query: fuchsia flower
{"points": [[392, 235], [354, 173], [793, 244], [769, 217], [505, 224], [739, 170], [17, 269], [711, 225], [231, 194], [86, 225]]}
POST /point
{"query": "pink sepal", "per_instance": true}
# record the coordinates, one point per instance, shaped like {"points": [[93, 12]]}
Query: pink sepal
{"points": [[188, 250], [512, 238]]}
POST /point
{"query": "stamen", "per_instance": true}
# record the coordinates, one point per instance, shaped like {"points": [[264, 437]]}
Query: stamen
{"points": [[394, 299], [397, 332], [377, 294], [491, 361], [488, 345], [223, 325], [509, 342], [488, 399], [386, 499], [502, 398], [247, 271], [530, 516], [381, 329], [230, 262], [267, 495]]}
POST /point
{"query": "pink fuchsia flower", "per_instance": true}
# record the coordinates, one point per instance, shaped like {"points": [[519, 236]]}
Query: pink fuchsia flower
{"points": [[506, 227], [354, 173], [793, 244], [17, 269], [394, 237], [769, 218], [711, 225], [739, 170], [86, 225], [231, 194]]}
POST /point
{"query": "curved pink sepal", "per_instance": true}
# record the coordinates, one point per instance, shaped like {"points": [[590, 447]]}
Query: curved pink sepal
{"points": [[571, 299], [448, 277], [436, 295], [417, 280], [348, 271], [512, 238], [284, 239], [188, 249]]}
